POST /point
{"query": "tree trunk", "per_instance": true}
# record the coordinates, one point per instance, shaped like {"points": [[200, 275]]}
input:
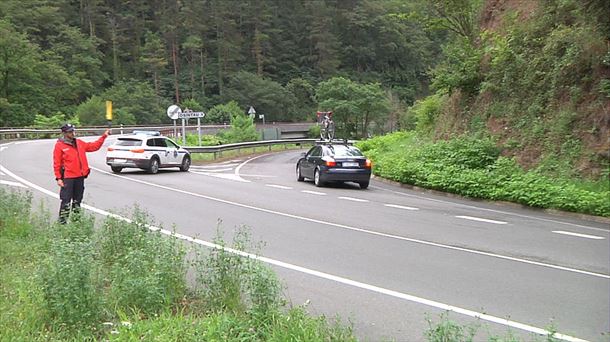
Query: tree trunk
{"points": [[175, 61], [201, 59]]}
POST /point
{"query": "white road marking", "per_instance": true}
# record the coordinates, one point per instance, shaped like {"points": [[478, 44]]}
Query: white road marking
{"points": [[493, 210], [481, 219], [353, 199], [2, 148], [228, 176], [315, 273], [244, 163], [279, 186], [214, 170], [314, 192], [595, 237], [400, 207], [2, 173], [207, 167], [9, 183]]}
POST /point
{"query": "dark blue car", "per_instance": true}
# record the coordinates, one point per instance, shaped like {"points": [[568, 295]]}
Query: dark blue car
{"points": [[334, 163]]}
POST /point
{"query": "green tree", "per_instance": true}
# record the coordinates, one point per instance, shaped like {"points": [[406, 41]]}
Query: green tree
{"points": [[138, 99], [305, 96], [93, 113], [268, 97], [223, 113], [354, 105], [242, 129], [153, 58]]}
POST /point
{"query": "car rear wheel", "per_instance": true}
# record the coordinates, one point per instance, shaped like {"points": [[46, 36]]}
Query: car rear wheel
{"points": [[186, 164], [363, 185], [316, 178], [300, 177], [116, 169], [154, 165]]}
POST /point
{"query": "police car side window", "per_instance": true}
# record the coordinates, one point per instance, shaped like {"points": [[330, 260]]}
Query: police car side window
{"points": [[160, 142], [170, 143], [150, 142]]}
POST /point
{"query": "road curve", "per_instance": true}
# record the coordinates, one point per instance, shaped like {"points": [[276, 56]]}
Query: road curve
{"points": [[384, 258]]}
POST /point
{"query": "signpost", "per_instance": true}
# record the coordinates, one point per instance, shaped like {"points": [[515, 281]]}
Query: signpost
{"points": [[173, 111], [188, 114], [252, 114]]}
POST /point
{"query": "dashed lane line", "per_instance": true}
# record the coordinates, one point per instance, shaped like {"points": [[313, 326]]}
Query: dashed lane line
{"points": [[314, 192], [586, 236], [400, 207], [278, 186], [481, 219]]}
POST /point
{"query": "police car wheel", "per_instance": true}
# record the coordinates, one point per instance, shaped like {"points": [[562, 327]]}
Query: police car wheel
{"points": [[154, 165], [186, 164], [116, 169]]}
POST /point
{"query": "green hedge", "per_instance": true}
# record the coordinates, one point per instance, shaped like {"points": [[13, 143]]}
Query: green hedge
{"points": [[473, 167]]}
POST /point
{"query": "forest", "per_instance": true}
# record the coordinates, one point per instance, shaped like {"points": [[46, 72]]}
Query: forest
{"points": [[145, 55], [533, 74]]}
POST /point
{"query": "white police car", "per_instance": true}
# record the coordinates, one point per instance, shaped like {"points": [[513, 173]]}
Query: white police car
{"points": [[147, 150]]}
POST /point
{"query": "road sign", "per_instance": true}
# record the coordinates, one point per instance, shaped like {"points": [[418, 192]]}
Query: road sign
{"points": [[109, 110], [189, 115], [251, 111], [173, 111]]}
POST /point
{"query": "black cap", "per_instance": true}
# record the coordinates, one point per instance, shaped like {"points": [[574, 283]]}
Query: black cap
{"points": [[67, 128]]}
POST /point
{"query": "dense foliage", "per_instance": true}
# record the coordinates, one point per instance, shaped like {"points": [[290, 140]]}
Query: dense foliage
{"points": [[534, 75], [474, 167], [68, 57]]}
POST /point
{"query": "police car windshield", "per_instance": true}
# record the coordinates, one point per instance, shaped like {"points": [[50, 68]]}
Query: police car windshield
{"points": [[344, 151], [128, 142]]}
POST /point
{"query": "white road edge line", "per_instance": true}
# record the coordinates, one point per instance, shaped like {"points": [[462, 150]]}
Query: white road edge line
{"points": [[244, 163], [314, 192], [353, 199], [361, 230], [492, 210], [400, 207], [279, 186], [481, 219], [12, 183], [323, 275], [594, 237]]}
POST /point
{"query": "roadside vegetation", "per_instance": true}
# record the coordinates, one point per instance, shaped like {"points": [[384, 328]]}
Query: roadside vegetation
{"points": [[475, 167], [121, 281]]}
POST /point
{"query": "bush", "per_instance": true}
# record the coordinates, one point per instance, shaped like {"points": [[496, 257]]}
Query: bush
{"points": [[473, 167]]}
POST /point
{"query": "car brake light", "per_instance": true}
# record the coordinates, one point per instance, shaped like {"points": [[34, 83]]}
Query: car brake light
{"points": [[110, 149], [137, 150], [368, 164], [329, 161]]}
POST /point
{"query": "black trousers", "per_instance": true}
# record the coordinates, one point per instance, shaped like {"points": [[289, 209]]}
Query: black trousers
{"points": [[71, 195]]}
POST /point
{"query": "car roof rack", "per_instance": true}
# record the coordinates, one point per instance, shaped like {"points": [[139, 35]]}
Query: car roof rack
{"points": [[334, 142]]}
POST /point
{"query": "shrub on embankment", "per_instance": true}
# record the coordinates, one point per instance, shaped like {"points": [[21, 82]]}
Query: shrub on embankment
{"points": [[474, 167], [123, 282]]}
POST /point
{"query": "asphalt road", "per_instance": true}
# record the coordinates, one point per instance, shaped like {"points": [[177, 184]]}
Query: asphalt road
{"points": [[385, 258]]}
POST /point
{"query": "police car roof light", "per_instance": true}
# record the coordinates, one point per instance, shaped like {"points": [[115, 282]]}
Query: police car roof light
{"points": [[153, 133]]}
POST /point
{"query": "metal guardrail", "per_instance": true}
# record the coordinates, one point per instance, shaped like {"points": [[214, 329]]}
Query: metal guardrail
{"points": [[217, 150], [288, 129]]}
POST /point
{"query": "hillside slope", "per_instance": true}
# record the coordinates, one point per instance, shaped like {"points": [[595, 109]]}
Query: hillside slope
{"points": [[537, 78]]}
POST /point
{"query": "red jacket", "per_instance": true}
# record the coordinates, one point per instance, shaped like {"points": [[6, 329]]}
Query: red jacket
{"points": [[73, 160]]}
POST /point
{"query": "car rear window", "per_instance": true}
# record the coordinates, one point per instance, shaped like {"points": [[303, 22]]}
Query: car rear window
{"points": [[128, 142], [345, 151]]}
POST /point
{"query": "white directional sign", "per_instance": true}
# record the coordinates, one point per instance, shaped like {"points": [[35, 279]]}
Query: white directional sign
{"points": [[251, 111], [190, 115], [173, 111]]}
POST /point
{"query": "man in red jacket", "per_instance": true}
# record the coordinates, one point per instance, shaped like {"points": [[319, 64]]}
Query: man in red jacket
{"points": [[71, 168]]}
